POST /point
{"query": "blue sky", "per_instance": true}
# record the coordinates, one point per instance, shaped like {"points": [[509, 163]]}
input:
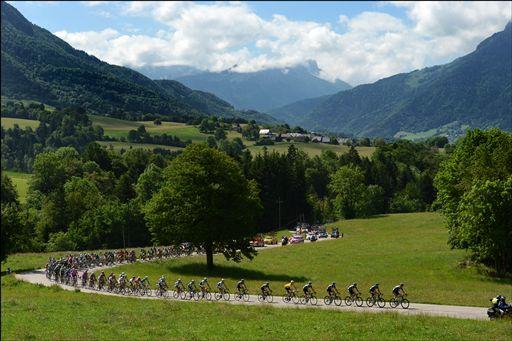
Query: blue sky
{"points": [[358, 42]]}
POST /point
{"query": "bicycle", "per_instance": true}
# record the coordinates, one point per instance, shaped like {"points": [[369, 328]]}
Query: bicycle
{"points": [[354, 299], [205, 295], [224, 294], [266, 297], [242, 296], [329, 299], [192, 294], [179, 293], [291, 297], [376, 299], [309, 297], [401, 300], [159, 292]]}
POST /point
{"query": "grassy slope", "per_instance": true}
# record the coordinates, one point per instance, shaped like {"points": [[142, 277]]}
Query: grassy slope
{"points": [[401, 247], [312, 148], [30, 311], [116, 145], [8, 122], [409, 248], [20, 180]]}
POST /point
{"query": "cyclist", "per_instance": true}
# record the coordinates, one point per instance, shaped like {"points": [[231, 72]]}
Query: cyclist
{"points": [[205, 286], [399, 291], [132, 283], [265, 290], [290, 288], [221, 286], [145, 282], [308, 289], [374, 290], [92, 280], [332, 291], [101, 280], [112, 281], [122, 280], [84, 278], [178, 286], [353, 290], [192, 288], [241, 287], [162, 285]]}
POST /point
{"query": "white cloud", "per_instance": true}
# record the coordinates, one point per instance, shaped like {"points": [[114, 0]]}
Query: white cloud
{"points": [[373, 44], [95, 3]]}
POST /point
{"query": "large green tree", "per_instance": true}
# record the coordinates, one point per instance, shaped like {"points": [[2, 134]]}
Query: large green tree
{"points": [[472, 186], [348, 187], [206, 200]]}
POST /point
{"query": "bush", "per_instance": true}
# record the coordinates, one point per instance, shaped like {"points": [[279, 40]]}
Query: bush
{"points": [[60, 241], [264, 142]]}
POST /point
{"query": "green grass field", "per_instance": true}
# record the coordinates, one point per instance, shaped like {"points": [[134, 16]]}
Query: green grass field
{"points": [[116, 145], [20, 180], [36, 312], [409, 248], [312, 149], [9, 122]]}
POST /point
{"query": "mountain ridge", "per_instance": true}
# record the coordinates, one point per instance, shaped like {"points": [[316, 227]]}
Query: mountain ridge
{"points": [[38, 65]]}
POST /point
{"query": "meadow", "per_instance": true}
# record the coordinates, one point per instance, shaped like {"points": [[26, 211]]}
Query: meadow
{"points": [[410, 248], [9, 122], [20, 180], [36, 312]]}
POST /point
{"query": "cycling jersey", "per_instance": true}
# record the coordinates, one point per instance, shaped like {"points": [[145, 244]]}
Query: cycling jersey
{"points": [[177, 284], [331, 288], [374, 289], [351, 289], [396, 290], [265, 287], [203, 283], [307, 287], [288, 285], [240, 285]]}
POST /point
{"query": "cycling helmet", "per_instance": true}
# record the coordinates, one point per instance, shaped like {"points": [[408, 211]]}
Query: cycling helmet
{"points": [[266, 283], [401, 284], [192, 281], [292, 281], [309, 283], [333, 283], [179, 279], [376, 284], [145, 277], [355, 284], [242, 280], [205, 279], [122, 273]]}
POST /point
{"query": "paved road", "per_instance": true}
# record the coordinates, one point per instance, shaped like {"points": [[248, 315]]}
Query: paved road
{"points": [[478, 313]]}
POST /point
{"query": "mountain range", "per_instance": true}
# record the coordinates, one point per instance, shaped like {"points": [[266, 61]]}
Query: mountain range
{"points": [[472, 91], [266, 89], [37, 65]]}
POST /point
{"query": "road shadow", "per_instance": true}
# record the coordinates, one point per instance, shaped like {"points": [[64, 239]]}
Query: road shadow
{"points": [[232, 272]]}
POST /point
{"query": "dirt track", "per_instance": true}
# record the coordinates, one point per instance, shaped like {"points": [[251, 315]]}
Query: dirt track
{"points": [[479, 313]]}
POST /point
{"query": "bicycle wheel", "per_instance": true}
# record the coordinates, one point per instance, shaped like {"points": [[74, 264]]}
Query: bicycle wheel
{"points": [[227, 296], [381, 302], [176, 294], [218, 296], [393, 302], [337, 300], [359, 301], [348, 300], [196, 296], [327, 300], [286, 299], [295, 299], [269, 298], [245, 297], [313, 300], [208, 296], [261, 298], [405, 303], [238, 297], [303, 300], [370, 302]]}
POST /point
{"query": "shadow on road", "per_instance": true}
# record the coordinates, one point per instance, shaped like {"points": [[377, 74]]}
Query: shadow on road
{"points": [[232, 272]]}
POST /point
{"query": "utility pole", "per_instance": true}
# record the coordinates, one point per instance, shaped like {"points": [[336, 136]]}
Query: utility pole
{"points": [[124, 244], [279, 202]]}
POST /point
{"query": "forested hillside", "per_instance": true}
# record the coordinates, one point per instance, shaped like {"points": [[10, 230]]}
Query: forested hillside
{"points": [[40, 66]]}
